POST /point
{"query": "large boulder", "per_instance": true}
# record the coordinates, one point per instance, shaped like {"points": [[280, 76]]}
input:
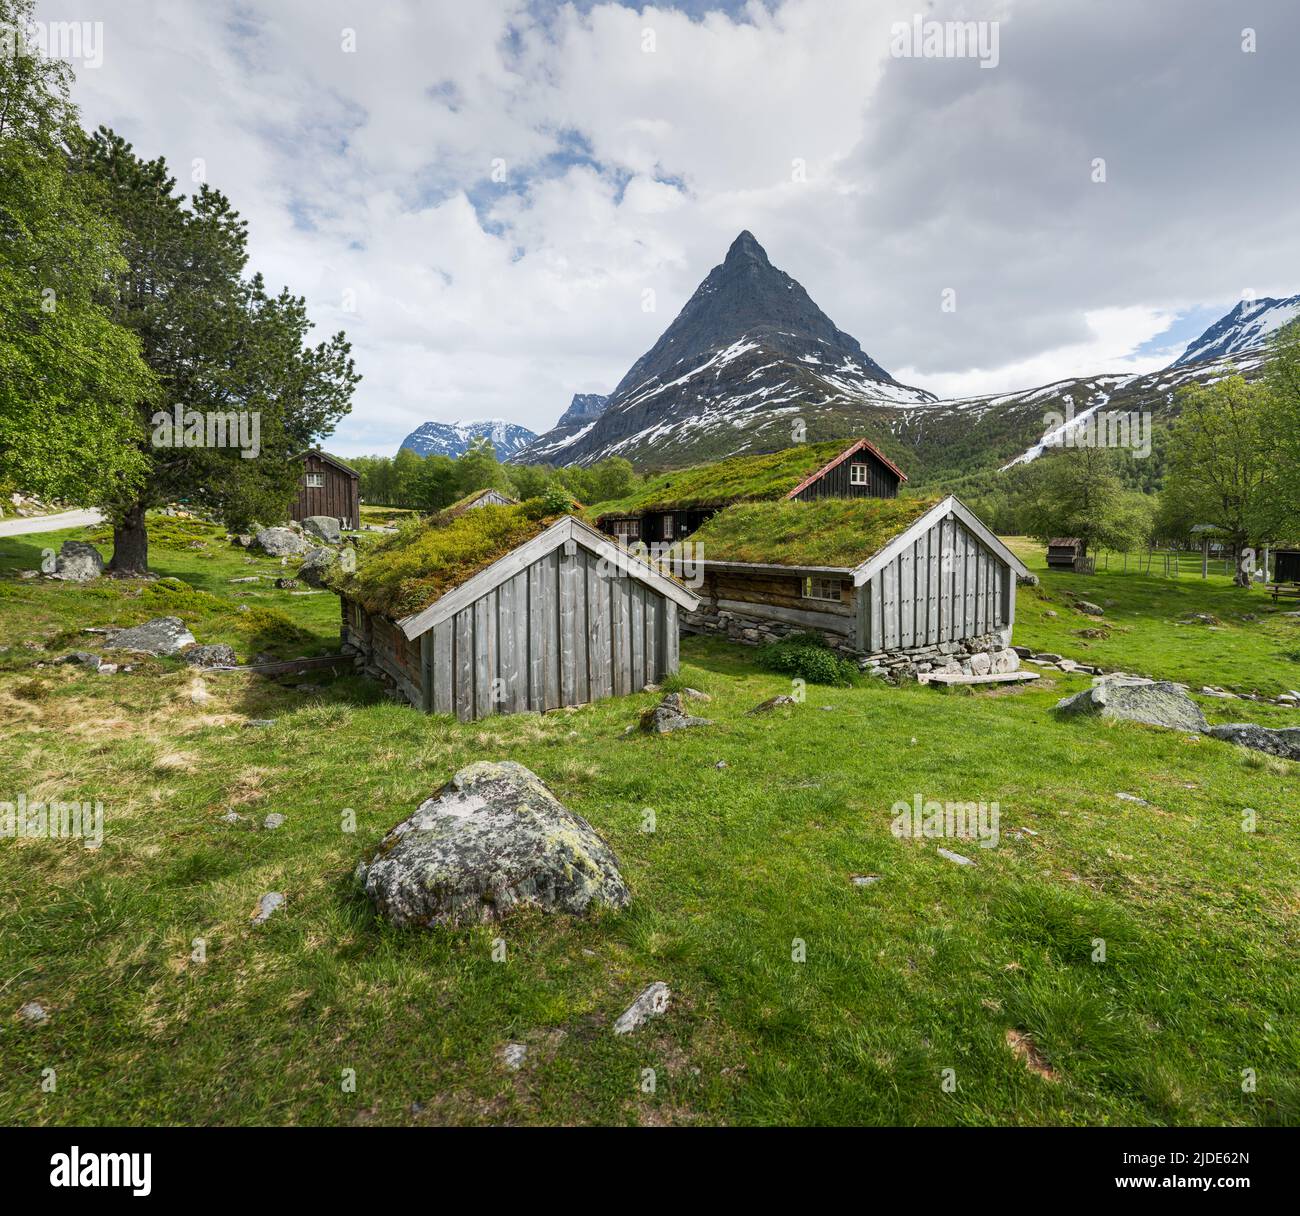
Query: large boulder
{"points": [[492, 839], [78, 562], [1155, 702], [314, 566], [281, 542], [323, 527], [163, 635], [1281, 741]]}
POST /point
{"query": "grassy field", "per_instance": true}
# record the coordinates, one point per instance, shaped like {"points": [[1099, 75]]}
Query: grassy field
{"points": [[909, 987]]}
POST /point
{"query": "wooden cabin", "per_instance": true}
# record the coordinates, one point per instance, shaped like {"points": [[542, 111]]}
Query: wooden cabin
{"points": [[328, 487], [479, 498], [674, 505], [902, 576], [560, 617], [1064, 552], [1286, 565]]}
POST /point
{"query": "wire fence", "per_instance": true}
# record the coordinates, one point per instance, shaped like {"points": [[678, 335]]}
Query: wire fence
{"points": [[1166, 563]]}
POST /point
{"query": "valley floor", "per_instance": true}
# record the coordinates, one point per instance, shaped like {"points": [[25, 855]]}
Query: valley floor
{"points": [[1148, 951]]}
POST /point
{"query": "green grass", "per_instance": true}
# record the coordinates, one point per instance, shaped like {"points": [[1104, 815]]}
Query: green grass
{"points": [[823, 532], [739, 479], [1149, 626], [924, 971]]}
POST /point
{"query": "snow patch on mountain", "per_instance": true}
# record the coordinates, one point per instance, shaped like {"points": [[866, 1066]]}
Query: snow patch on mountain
{"points": [[1247, 327], [453, 438]]}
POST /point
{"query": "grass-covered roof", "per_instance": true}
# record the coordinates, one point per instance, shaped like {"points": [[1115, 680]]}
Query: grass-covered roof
{"points": [[841, 532], [426, 558], [739, 479]]}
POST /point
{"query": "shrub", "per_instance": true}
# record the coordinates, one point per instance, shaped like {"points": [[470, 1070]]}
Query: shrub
{"points": [[807, 656]]}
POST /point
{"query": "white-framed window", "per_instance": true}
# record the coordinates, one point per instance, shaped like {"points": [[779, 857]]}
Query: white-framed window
{"points": [[315, 481], [668, 527], [857, 474], [821, 588], [627, 529]]}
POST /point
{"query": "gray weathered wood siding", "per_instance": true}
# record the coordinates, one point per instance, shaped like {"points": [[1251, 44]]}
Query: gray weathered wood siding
{"points": [[565, 630], [943, 587], [776, 597]]}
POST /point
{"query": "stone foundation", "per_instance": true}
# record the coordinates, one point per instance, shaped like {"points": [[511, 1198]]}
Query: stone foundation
{"points": [[969, 656]]}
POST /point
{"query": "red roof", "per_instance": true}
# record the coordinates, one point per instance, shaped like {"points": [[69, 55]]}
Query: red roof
{"points": [[862, 445]]}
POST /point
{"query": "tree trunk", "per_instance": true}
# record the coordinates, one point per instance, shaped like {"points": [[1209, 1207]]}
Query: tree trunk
{"points": [[130, 543]]}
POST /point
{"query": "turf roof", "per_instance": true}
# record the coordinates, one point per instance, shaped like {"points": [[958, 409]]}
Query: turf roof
{"points": [[427, 558], [840, 532], [739, 479]]}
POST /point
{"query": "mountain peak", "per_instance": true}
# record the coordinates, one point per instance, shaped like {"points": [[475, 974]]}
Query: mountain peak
{"points": [[1247, 326], [745, 248]]}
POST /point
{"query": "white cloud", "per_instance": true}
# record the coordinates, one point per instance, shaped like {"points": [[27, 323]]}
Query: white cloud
{"points": [[629, 171]]}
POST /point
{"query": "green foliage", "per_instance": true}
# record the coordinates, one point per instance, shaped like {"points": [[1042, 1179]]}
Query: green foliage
{"points": [[808, 657], [823, 532], [1078, 492], [217, 342], [1282, 429], [70, 377], [1223, 468], [555, 498]]}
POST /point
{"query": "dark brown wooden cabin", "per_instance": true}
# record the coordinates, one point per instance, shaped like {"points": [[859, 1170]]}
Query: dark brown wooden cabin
{"points": [[861, 470], [1063, 552], [328, 487], [1286, 565]]}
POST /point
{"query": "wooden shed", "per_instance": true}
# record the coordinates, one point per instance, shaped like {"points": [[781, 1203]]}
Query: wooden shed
{"points": [[1064, 552], [328, 487], [563, 617], [1286, 565], [871, 576]]}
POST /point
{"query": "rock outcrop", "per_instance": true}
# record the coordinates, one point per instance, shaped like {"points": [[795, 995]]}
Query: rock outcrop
{"points": [[1155, 702]]}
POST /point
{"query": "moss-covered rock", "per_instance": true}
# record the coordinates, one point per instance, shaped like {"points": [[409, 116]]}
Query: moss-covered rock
{"points": [[492, 839]]}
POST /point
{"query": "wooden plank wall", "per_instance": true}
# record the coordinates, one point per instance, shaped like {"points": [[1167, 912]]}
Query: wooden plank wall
{"points": [[339, 497], [769, 596], [944, 587], [562, 631]]}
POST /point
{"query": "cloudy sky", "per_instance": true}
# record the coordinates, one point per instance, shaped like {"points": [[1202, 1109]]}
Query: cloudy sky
{"points": [[481, 192]]}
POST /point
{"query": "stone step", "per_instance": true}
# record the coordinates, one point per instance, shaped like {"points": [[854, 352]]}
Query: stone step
{"points": [[997, 677]]}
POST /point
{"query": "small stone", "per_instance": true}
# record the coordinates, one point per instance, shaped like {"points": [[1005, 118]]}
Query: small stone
{"points": [[218, 655], [1089, 608], [956, 858], [864, 880], [722, 764], [109, 669], [770, 704], [259, 723], [84, 659], [266, 905], [513, 1055], [694, 694], [232, 817], [273, 821], [1132, 798], [33, 1012], [652, 1002]]}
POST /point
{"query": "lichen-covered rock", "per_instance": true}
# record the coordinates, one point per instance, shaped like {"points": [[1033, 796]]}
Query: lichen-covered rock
{"points": [[323, 527], [1005, 660], [314, 566], [162, 635], [1155, 702], [492, 839], [1281, 741], [1089, 608], [78, 562], [670, 715], [281, 542], [220, 654]]}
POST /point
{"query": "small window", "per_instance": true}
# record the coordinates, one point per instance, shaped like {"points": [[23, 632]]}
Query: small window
{"points": [[315, 481], [668, 527], [627, 529], [857, 474], [821, 589]]}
